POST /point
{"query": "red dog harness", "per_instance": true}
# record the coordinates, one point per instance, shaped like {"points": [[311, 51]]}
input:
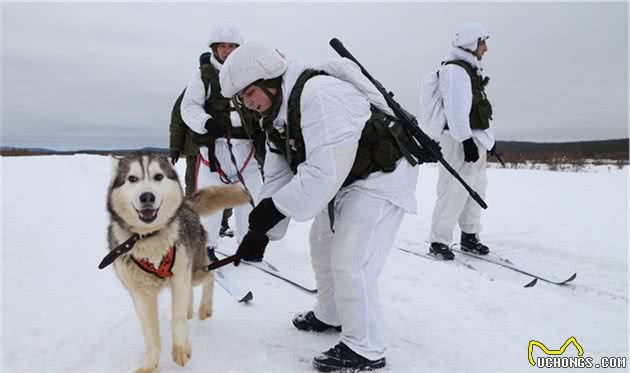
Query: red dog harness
{"points": [[163, 270]]}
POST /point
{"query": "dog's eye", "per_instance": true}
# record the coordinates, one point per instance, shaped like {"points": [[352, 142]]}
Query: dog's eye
{"points": [[132, 179], [158, 177]]}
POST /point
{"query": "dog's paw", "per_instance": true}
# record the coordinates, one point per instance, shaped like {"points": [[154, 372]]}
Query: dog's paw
{"points": [[181, 354], [145, 370], [190, 314], [205, 311]]}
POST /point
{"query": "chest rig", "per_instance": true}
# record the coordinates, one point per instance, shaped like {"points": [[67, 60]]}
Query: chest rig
{"points": [[383, 139], [481, 109]]}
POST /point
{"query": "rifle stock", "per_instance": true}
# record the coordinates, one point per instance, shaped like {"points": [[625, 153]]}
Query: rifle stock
{"points": [[409, 121]]}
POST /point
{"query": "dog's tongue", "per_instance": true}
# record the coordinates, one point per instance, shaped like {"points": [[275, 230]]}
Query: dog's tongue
{"points": [[147, 213]]}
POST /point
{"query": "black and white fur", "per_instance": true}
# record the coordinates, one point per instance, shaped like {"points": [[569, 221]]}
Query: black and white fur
{"points": [[145, 196]]}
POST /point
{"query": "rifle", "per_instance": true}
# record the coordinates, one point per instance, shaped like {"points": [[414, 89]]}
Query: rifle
{"points": [[409, 122]]}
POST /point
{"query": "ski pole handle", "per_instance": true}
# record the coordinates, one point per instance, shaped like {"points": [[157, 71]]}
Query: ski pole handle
{"points": [[222, 262]]}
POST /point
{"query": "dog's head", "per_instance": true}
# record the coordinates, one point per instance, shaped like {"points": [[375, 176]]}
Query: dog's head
{"points": [[144, 192]]}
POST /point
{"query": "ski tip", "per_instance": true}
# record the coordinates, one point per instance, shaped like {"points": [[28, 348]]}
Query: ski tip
{"points": [[247, 298], [573, 276], [531, 283]]}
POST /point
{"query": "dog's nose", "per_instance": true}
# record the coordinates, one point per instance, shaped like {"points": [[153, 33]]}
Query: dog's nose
{"points": [[147, 198]]}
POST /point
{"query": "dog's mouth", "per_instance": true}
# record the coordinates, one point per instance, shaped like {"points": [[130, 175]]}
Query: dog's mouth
{"points": [[148, 215]]}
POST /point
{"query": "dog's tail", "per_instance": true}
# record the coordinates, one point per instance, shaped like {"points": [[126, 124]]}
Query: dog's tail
{"points": [[208, 200]]}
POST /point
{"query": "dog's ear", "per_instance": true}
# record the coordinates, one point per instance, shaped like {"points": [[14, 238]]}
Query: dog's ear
{"points": [[164, 159], [114, 161], [115, 167]]}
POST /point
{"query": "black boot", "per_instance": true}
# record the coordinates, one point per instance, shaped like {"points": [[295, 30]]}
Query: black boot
{"points": [[308, 322], [211, 255], [226, 231], [440, 250], [470, 243], [342, 358]]}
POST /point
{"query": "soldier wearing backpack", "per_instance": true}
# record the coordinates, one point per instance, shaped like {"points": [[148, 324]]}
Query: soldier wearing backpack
{"points": [[229, 137], [331, 156], [461, 118]]}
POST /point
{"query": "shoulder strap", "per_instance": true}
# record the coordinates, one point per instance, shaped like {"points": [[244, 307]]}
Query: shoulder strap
{"points": [[470, 70], [204, 58], [293, 111], [209, 75]]}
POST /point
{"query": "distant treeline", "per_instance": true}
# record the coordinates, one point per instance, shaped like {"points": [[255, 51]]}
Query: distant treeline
{"points": [[564, 152], [605, 151], [12, 152]]}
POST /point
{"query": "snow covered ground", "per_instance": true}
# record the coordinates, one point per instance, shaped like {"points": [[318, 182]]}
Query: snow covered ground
{"points": [[61, 314]]}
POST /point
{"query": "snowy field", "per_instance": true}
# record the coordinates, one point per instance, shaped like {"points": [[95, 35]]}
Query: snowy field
{"points": [[61, 314]]}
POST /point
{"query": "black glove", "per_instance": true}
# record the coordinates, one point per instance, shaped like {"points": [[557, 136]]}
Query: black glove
{"points": [[215, 129], [471, 154], [174, 156], [202, 140], [252, 248], [264, 216], [493, 151]]}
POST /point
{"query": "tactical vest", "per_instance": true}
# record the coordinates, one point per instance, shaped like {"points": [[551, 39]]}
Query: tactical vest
{"points": [[383, 140], [481, 110], [219, 107]]}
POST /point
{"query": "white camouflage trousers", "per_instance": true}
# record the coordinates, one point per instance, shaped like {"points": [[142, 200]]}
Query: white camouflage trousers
{"points": [[347, 266], [454, 204]]}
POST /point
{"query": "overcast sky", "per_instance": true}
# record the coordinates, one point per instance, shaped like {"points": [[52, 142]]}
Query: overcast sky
{"points": [[105, 76]]}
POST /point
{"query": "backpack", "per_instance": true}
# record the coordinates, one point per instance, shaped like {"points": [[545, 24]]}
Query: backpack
{"points": [[206, 76], [348, 71], [431, 112], [181, 138]]}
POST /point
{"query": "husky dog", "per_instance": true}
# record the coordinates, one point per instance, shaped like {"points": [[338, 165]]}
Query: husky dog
{"points": [[146, 203]]}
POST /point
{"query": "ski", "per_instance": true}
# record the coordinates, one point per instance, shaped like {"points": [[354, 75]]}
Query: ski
{"points": [[233, 291], [434, 258], [501, 261], [491, 254], [273, 271], [513, 268], [224, 281]]}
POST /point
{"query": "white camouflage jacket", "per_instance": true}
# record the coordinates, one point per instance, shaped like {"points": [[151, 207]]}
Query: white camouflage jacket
{"points": [[456, 90], [334, 113]]}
